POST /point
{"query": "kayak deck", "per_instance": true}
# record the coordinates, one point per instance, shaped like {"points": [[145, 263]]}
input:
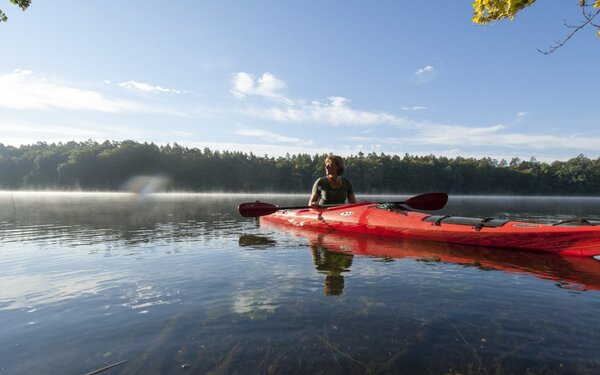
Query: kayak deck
{"points": [[371, 218]]}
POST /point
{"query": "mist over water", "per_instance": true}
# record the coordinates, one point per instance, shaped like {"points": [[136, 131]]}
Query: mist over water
{"points": [[180, 283]]}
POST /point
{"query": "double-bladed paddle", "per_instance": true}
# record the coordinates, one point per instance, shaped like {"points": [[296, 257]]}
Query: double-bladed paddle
{"points": [[427, 202]]}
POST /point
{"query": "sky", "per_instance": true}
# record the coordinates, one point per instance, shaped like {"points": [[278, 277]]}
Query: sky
{"points": [[273, 77]]}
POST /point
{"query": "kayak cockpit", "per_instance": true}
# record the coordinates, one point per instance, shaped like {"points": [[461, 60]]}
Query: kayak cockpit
{"points": [[475, 222]]}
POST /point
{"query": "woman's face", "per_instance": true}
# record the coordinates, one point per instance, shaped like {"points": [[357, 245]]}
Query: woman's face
{"points": [[331, 168]]}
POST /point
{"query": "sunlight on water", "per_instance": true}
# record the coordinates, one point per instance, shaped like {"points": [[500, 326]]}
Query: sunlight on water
{"points": [[31, 291]]}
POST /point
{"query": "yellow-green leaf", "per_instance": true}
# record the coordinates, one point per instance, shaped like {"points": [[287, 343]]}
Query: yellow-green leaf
{"points": [[486, 11]]}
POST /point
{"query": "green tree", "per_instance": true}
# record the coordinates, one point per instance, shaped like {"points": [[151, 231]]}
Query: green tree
{"points": [[106, 166], [23, 4], [488, 11]]}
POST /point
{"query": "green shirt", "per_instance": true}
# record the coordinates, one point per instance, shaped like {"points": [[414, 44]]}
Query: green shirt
{"points": [[328, 195]]}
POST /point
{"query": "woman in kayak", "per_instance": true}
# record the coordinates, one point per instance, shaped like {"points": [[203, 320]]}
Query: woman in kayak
{"points": [[333, 188]]}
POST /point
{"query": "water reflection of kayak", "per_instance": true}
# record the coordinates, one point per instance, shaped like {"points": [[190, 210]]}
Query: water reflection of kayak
{"points": [[369, 218], [574, 272]]}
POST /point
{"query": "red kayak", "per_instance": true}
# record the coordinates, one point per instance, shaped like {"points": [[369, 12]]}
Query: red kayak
{"points": [[395, 221]]}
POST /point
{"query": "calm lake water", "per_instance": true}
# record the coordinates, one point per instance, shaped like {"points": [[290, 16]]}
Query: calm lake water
{"points": [[180, 284]]}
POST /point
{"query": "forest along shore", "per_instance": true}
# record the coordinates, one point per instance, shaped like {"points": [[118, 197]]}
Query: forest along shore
{"points": [[109, 165]]}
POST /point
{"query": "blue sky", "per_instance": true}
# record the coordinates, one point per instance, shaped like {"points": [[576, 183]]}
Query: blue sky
{"points": [[272, 77]]}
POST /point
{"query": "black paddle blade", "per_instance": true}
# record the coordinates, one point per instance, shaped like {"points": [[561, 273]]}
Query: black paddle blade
{"points": [[428, 202], [255, 209]]}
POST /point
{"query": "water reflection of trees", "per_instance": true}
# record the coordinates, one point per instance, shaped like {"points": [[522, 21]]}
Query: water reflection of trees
{"points": [[256, 242]]}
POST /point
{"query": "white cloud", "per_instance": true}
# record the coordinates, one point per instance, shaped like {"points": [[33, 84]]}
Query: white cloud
{"points": [[337, 101], [521, 117], [147, 88], [21, 89], [44, 133], [271, 137], [424, 74], [459, 135], [49, 130], [415, 108], [243, 84], [424, 70], [335, 113], [267, 86]]}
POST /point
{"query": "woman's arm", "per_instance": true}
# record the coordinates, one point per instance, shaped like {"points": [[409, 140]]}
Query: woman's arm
{"points": [[315, 195], [313, 201], [351, 198]]}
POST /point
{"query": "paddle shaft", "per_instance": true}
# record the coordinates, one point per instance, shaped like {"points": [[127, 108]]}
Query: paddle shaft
{"points": [[428, 202]]}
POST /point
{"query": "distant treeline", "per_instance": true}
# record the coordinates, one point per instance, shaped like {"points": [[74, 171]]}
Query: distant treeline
{"points": [[107, 166]]}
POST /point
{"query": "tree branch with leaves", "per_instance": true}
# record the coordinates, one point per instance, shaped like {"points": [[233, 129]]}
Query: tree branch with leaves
{"points": [[23, 4], [488, 11]]}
